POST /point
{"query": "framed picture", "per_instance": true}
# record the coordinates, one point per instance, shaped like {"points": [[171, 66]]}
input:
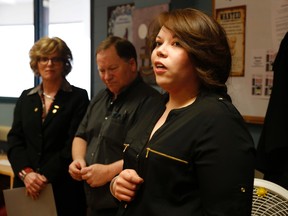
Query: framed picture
{"points": [[233, 20], [120, 21]]}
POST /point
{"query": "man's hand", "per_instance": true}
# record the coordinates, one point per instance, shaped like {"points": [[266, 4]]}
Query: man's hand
{"points": [[96, 175], [75, 169]]}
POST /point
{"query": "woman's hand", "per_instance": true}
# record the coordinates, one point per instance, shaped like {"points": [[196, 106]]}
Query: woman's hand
{"points": [[125, 185], [34, 183]]}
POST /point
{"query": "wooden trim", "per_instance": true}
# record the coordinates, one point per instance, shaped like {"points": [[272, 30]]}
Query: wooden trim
{"points": [[7, 170], [254, 119]]}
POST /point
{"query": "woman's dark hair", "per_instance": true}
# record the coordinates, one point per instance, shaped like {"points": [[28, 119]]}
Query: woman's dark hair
{"points": [[204, 40]]}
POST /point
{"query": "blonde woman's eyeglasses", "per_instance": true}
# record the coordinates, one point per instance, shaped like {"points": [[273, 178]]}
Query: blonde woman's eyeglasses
{"points": [[54, 60]]}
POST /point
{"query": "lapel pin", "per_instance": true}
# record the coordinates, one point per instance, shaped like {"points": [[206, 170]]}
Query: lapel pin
{"points": [[56, 107]]}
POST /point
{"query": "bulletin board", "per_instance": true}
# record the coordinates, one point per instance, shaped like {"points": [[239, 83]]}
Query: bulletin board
{"points": [[255, 30]]}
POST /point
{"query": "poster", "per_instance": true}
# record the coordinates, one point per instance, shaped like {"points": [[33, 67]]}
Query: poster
{"points": [[120, 21], [233, 21], [140, 30], [261, 67], [279, 21], [265, 25]]}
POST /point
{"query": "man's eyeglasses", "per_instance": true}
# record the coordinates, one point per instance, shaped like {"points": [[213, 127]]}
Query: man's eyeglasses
{"points": [[54, 60]]}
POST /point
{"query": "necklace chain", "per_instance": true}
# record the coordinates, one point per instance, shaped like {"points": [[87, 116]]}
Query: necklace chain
{"points": [[48, 96]]}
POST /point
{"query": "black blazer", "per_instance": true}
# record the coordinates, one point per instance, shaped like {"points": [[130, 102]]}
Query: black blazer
{"points": [[46, 147]]}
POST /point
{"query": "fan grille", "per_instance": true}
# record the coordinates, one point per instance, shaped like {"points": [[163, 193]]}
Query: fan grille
{"points": [[268, 204]]}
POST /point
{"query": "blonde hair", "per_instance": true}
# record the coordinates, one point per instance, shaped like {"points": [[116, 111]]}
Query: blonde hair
{"points": [[47, 46]]}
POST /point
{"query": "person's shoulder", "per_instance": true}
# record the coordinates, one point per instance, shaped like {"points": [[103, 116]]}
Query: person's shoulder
{"points": [[78, 89], [79, 93], [26, 94], [26, 91], [29, 91], [101, 94], [217, 105]]}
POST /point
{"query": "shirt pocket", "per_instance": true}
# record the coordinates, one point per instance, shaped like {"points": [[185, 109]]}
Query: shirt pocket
{"points": [[114, 128], [110, 140]]}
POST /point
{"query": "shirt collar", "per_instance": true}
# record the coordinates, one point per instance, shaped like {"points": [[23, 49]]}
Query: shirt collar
{"points": [[65, 86]]}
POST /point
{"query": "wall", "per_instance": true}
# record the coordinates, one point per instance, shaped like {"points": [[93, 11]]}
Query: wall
{"points": [[99, 32], [6, 113], [99, 22]]}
